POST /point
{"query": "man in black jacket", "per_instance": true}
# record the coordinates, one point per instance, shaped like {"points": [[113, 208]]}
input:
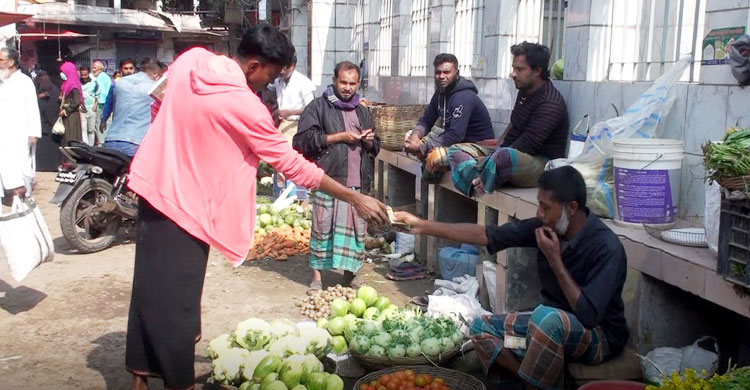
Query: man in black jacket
{"points": [[337, 133], [460, 111]]}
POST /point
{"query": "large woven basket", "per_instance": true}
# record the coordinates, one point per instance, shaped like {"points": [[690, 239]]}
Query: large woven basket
{"points": [[735, 183], [378, 363], [392, 122], [453, 379]]}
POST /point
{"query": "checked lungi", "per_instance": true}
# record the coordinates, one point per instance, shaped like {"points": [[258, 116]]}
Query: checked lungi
{"points": [[337, 237], [500, 166], [553, 337]]}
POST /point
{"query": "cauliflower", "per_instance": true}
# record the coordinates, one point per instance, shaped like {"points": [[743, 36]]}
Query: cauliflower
{"points": [[288, 345], [248, 366], [218, 346], [317, 341], [253, 334], [283, 327], [227, 365]]}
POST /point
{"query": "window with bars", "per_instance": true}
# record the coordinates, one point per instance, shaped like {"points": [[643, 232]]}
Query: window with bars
{"points": [[384, 38], [419, 38], [358, 37], [467, 33], [648, 36], [553, 28]]}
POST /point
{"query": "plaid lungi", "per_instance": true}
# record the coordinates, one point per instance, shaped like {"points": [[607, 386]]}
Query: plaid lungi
{"points": [[552, 336], [337, 237], [504, 165]]}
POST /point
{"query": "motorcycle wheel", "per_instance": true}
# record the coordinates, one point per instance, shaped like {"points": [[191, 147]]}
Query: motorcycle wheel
{"points": [[83, 224]]}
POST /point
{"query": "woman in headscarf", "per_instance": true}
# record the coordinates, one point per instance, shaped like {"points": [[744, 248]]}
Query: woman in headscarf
{"points": [[72, 99], [47, 154]]}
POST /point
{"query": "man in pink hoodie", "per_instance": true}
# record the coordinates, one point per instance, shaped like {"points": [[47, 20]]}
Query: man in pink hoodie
{"points": [[195, 173]]}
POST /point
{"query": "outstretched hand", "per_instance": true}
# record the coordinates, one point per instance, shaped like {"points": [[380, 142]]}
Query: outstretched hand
{"points": [[371, 210], [413, 221]]}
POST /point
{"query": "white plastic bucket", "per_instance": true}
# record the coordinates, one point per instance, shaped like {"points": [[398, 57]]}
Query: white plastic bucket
{"points": [[647, 180]]}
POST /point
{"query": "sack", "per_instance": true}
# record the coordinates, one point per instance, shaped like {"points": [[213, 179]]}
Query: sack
{"points": [[663, 362], [712, 216], [25, 238], [58, 128]]}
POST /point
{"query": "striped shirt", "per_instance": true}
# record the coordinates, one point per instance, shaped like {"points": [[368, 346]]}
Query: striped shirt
{"points": [[539, 123]]}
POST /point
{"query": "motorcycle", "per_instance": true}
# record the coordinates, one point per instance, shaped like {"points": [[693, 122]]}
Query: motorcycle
{"points": [[94, 200]]}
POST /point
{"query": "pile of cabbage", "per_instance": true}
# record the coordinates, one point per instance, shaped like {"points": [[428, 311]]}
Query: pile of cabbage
{"points": [[384, 330], [272, 356]]}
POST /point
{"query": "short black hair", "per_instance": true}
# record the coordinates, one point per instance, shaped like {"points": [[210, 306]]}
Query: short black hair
{"points": [[445, 57], [537, 56], [566, 184], [127, 61], [150, 65], [266, 43], [86, 68], [13, 55], [345, 65]]}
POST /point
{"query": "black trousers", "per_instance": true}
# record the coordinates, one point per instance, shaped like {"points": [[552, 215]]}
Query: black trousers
{"points": [[164, 322]]}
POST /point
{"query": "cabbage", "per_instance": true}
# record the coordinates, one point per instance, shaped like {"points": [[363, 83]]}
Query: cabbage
{"points": [[382, 339], [336, 326], [367, 294], [253, 334], [414, 350], [376, 351], [299, 387], [334, 382], [291, 374], [382, 303], [281, 328], [339, 307], [275, 385], [397, 351], [358, 307], [431, 346], [310, 367], [388, 312], [249, 364], [360, 344], [339, 345], [271, 377], [317, 381], [371, 313], [322, 323]]}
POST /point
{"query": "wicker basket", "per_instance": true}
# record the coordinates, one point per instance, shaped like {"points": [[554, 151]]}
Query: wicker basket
{"points": [[735, 183], [378, 363], [392, 122], [454, 379]]}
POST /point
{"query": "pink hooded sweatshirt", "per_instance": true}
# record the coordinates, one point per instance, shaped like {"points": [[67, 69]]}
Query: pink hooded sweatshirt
{"points": [[197, 164]]}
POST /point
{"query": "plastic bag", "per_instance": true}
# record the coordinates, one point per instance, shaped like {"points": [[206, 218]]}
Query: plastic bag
{"points": [[489, 272], [25, 238], [712, 215], [640, 120], [663, 362], [456, 262]]}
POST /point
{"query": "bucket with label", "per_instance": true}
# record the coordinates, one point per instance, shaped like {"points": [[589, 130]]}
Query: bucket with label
{"points": [[647, 180]]}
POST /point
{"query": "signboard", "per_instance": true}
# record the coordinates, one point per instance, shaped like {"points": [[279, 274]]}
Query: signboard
{"points": [[139, 34], [717, 43]]}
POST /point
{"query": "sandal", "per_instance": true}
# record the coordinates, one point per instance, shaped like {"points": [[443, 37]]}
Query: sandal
{"points": [[315, 287]]}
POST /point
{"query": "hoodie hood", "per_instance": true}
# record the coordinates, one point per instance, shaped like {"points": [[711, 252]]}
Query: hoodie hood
{"points": [[217, 74]]}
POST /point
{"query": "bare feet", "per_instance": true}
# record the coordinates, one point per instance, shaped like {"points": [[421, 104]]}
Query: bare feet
{"points": [[478, 186], [140, 382]]}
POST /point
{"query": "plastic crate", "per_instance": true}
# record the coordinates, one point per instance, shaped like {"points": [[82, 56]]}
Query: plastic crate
{"points": [[734, 242]]}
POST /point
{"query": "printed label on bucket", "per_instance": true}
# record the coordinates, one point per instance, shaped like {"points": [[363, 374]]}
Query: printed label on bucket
{"points": [[645, 196]]}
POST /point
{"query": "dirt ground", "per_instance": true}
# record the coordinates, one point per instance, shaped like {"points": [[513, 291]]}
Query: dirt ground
{"points": [[64, 326]]}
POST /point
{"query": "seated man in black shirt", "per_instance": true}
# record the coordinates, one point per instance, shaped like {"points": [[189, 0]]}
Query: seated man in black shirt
{"points": [[582, 267], [538, 131]]}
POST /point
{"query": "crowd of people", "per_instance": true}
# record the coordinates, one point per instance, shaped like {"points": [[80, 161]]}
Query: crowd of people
{"points": [[196, 155]]}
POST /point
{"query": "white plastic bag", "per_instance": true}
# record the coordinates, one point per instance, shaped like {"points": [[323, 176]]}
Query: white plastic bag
{"points": [[712, 216], [489, 272], [663, 362], [25, 238]]}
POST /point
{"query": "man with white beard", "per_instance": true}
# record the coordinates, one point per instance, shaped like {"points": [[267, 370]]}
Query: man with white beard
{"points": [[21, 127], [582, 267]]}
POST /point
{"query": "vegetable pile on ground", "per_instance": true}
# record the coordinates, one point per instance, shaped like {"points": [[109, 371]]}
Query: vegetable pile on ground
{"points": [[370, 325], [272, 356], [406, 379], [280, 233], [318, 305], [730, 157], [734, 379]]}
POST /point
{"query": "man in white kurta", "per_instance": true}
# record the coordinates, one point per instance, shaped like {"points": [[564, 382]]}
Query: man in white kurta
{"points": [[21, 127], [294, 92]]}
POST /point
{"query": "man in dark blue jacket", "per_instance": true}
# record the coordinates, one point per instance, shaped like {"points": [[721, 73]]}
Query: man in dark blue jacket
{"points": [[462, 115]]}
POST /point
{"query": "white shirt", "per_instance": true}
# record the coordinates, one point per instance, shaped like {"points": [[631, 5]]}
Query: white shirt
{"points": [[296, 94], [19, 111]]}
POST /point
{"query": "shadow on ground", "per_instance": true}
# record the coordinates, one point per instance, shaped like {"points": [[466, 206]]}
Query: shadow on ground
{"points": [[19, 299]]}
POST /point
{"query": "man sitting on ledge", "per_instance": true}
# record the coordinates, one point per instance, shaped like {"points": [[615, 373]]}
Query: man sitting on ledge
{"points": [[538, 131], [462, 115], [582, 267]]}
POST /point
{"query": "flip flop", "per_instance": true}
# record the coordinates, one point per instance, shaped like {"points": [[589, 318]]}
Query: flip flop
{"points": [[420, 301], [315, 287], [403, 276]]}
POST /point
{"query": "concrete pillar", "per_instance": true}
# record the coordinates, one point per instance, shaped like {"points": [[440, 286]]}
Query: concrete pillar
{"points": [[117, 4], [587, 40]]}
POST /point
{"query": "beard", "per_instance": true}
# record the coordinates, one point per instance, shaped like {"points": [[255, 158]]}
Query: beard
{"points": [[448, 87], [4, 74], [562, 225]]}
